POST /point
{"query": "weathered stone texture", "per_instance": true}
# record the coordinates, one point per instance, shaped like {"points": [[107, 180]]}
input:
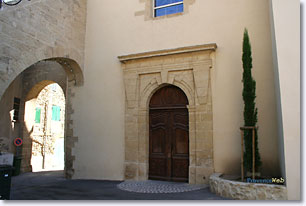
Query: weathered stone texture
{"points": [[40, 29], [246, 191]]}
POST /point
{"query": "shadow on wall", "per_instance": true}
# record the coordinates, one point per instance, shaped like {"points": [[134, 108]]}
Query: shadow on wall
{"points": [[9, 129], [26, 87]]}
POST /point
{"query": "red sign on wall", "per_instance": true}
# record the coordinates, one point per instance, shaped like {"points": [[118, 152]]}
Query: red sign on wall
{"points": [[18, 142]]}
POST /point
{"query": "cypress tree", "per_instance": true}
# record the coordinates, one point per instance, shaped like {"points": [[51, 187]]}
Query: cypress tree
{"points": [[250, 111]]}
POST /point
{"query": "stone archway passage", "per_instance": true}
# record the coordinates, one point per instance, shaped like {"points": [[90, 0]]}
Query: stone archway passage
{"points": [[27, 85], [169, 135]]}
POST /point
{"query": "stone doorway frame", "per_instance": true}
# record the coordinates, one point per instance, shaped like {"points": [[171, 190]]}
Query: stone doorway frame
{"points": [[187, 68]]}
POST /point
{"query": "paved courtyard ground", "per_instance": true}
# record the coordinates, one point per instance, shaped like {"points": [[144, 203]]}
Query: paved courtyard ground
{"points": [[53, 186]]}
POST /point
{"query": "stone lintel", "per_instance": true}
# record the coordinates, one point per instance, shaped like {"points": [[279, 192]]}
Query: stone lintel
{"points": [[180, 50]]}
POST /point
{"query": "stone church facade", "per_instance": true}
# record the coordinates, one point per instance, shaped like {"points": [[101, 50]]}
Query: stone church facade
{"points": [[111, 58]]}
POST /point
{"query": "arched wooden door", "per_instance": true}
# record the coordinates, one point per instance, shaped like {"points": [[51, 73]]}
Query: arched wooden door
{"points": [[169, 135]]}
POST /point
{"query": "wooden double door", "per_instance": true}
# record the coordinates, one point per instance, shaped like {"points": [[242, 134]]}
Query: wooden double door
{"points": [[169, 137]]}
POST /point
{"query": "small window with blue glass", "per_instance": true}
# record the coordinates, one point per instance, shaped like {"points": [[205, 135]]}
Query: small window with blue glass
{"points": [[166, 7]]}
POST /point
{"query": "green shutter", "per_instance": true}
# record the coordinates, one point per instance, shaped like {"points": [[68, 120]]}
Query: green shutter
{"points": [[37, 115], [56, 113]]}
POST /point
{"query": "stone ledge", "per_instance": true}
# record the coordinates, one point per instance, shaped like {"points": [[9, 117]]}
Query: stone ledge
{"points": [[246, 191], [181, 50]]}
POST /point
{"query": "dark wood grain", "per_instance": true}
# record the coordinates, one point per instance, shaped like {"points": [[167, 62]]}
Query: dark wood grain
{"points": [[170, 96], [169, 135]]}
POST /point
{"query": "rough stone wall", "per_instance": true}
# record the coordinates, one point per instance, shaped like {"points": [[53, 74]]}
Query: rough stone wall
{"points": [[40, 29], [188, 69], [246, 191]]}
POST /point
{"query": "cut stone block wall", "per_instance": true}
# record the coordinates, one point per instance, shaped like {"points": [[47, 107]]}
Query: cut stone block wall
{"points": [[187, 68]]}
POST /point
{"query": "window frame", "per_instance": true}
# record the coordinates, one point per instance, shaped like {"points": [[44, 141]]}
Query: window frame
{"points": [[165, 6], [16, 108]]}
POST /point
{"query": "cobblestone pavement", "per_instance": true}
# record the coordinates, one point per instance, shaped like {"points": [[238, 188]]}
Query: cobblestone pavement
{"points": [[151, 186], [53, 186]]}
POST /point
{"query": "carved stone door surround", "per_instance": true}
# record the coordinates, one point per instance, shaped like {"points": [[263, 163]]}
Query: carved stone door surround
{"points": [[187, 68]]}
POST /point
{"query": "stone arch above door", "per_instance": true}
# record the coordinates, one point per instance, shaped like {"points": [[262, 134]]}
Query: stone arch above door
{"points": [[187, 68]]}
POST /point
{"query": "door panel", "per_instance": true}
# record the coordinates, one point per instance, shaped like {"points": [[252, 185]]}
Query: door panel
{"points": [[180, 169], [169, 145], [180, 142], [180, 145], [158, 145], [158, 168], [158, 142]]}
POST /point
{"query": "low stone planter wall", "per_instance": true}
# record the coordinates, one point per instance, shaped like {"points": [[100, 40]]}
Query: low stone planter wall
{"points": [[246, 191]]}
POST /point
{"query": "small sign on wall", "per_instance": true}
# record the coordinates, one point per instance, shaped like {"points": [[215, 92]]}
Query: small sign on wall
{"points": [[18, 142]]}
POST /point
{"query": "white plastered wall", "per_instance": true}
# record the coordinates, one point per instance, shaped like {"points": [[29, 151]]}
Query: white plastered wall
{"points": [[118, 27], [285, 24]]}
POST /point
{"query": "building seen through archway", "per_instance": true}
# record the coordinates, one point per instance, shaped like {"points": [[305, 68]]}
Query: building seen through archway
{"points": [[48, 130]]}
